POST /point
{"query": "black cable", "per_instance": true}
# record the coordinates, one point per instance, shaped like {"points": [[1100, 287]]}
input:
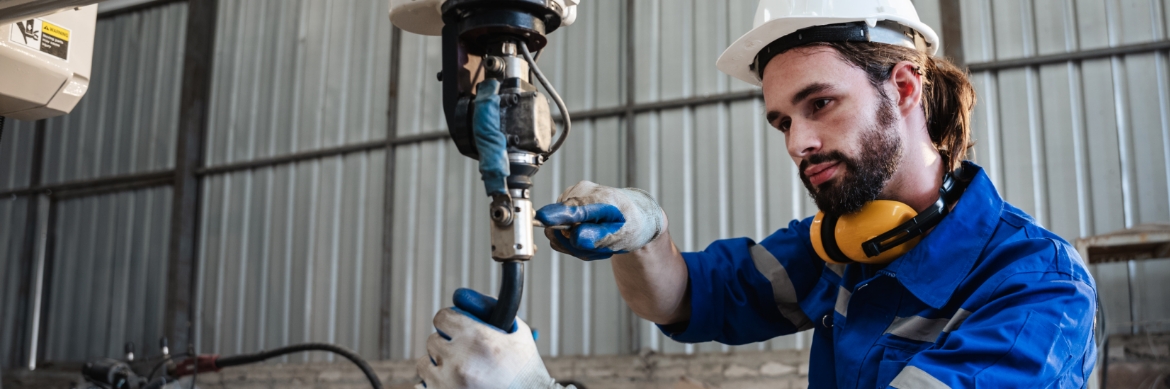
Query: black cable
{"points": [[511, 289], [150, 377], [244, 359], [1, 129], [551, 91]]}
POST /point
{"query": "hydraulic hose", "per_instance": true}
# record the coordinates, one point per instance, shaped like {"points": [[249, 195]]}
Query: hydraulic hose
{"points": [[511, 288]]}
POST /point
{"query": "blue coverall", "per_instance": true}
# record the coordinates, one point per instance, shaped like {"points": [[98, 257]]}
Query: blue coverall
{"points": [[988, 299]]}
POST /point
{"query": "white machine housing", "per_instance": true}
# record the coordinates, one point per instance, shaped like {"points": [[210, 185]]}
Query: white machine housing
{"points": [[45, 60], [424, 17]]}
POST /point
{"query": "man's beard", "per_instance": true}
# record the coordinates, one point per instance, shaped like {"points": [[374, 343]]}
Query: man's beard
{"points": [[864, 177]]}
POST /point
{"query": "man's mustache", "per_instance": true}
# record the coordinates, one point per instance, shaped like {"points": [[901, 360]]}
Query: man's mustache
{"points": [[814, 159]]}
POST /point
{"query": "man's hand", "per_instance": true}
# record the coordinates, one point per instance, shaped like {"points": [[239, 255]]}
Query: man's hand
{"points": [[607, 220], [466, 352]]}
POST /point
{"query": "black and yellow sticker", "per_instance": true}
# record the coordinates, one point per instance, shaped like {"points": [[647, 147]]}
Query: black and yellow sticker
{"points": [[54, 40], [41, 35]]}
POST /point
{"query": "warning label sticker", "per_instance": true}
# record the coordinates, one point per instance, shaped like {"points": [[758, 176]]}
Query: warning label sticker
{"points": [[42, 36]]}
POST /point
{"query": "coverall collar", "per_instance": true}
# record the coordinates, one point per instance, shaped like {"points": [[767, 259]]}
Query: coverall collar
{"points": [[935, 267]]}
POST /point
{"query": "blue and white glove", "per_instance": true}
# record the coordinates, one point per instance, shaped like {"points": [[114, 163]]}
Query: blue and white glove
{"points": [[606, 220], [466, 352]]}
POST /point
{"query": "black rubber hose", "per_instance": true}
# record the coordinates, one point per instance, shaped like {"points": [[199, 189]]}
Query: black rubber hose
{"points": [[244, 359], [511, 289]]}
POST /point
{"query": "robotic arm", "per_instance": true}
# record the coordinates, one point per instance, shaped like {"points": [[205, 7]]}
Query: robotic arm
{"points": [[46, 48], [494, 113]]}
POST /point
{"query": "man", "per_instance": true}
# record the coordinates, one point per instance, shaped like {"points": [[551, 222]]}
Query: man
{"points": [[957, 289]]}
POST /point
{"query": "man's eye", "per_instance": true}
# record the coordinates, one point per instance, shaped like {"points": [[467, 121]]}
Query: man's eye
{"points": [[783, 125], [820, 103]]}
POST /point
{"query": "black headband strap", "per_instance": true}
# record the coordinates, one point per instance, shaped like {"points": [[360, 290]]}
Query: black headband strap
{"points": [[888, 32]]}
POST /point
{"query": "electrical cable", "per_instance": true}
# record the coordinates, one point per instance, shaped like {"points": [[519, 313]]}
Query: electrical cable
{"points": [[153, 370], [567, 124], [244, 359]]}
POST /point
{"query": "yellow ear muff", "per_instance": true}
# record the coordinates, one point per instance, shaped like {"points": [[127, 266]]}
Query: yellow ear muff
{"points": [[850, 231]]}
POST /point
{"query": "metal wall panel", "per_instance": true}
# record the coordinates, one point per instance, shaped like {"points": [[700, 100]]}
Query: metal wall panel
{"points": [[128, 119], [677, 43], [292, 254], [13, 213], [108, 280], [16, 153], [1082, 146], [293, 76]]}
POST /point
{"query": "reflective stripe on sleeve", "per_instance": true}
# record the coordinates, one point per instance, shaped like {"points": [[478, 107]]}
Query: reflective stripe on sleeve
{"points": [[843, 296], [783, 292], [913, 377]]}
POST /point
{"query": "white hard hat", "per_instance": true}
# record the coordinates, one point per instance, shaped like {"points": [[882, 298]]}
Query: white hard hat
{"points": [[885, 21]]}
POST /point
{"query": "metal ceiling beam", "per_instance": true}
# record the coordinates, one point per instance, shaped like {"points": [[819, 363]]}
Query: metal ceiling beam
{"points": [[1070, 56]]}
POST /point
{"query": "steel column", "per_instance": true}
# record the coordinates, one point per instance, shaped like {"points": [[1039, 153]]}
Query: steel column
{"points": [[22, 348], [385, 333], [194, 101]]}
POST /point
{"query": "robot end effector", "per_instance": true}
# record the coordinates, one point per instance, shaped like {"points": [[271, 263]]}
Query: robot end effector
{"points": [[494, 113]]}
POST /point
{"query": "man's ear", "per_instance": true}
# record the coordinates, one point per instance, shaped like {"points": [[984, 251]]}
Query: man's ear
{"points": [[907, 81]]}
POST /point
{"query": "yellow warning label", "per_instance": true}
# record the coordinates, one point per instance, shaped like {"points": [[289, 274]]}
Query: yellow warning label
{"points": [[55, 31]]}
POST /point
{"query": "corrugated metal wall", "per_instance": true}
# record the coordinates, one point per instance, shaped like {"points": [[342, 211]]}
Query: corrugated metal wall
{"points": [[109, 273], [1084, 146], [292, 253], [129, 117], [108, 263]]}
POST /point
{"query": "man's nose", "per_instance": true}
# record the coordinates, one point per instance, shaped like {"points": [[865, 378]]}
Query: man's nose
{"points": [[802, 140]]}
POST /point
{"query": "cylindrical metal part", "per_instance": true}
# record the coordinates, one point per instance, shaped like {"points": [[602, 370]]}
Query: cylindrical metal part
{"points": [[516, 240]]}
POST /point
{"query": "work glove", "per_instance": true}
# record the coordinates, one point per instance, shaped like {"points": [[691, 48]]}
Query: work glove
{"points": [[606, 220], [466, 352]]}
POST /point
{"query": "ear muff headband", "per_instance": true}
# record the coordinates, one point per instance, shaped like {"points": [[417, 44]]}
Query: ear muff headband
{"points": [[900, 239]]}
